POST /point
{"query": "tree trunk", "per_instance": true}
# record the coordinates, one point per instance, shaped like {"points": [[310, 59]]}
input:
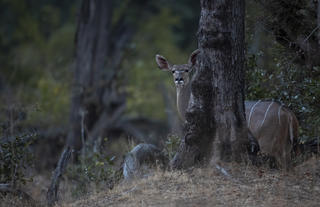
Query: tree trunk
{"points": [[216, 127], [97, 105], [91, 50]]}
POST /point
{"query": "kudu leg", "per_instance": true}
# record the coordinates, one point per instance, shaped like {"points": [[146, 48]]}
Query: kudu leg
{"points": [[253, 148]]}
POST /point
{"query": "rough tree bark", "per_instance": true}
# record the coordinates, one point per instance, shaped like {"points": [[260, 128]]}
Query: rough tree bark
{"points": [[216, 127]]}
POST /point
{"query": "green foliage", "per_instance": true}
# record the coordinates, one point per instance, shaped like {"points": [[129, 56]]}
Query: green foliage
{"points": [[291, 85], [36, 40], [41, 77], [171, 145], [94, 167], [15, 159], [272, 73], [52, 101], [189, 13]]}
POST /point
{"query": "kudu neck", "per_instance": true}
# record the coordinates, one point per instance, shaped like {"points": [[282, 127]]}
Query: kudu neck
{"points": [[183, 96]]}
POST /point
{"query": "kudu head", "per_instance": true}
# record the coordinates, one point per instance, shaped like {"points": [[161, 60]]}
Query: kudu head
{"points": [[181, 73]]}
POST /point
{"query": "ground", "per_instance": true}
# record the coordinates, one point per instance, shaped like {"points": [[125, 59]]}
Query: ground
{"points": [[245, 186]]}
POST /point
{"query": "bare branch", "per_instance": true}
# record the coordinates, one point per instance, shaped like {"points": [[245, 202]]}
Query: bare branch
{"points": [[105, 122], [55, 181]]}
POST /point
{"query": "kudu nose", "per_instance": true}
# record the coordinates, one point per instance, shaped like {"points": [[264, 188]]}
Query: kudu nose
{"points": [[179, 79]]}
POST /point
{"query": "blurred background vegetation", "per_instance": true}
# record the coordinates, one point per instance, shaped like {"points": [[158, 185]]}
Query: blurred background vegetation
{"points": [[37, 59]]}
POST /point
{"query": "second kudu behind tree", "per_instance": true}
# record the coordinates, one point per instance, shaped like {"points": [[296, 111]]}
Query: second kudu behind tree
{"points": [[274, 126]]}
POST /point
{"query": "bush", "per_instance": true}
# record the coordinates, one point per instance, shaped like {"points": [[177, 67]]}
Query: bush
{"points": [[94, 167], [15, 158], [294, 86], [171, 145]]}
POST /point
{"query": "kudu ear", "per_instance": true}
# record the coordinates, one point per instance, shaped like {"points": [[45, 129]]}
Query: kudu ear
{"points": [[162, 62], [193, 57]]}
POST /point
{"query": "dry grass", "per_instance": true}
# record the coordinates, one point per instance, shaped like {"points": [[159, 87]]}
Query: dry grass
{"points": [[249, 186], [14, 201]]}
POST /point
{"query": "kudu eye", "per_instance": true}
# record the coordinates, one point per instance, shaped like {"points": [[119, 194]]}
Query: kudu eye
{"points": [[186, 71], [173, 71]]}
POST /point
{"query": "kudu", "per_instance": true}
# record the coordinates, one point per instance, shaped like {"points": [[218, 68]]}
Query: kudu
{"points": [[274, 126]]}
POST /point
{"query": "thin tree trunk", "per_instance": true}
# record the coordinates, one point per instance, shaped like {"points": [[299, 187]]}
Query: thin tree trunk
{"points": [[216, 127]]}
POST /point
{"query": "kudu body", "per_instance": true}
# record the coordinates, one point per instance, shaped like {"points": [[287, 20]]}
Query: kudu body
{"points": [[274, 126]]}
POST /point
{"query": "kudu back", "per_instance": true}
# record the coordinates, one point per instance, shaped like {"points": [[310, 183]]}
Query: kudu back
{"points": [[274, 126]]}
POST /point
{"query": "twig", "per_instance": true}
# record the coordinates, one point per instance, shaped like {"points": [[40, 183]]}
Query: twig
{"points": [[226, 174], [130, 190], [223, 171], [313, 31], [83, 114], [105, 122]]}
